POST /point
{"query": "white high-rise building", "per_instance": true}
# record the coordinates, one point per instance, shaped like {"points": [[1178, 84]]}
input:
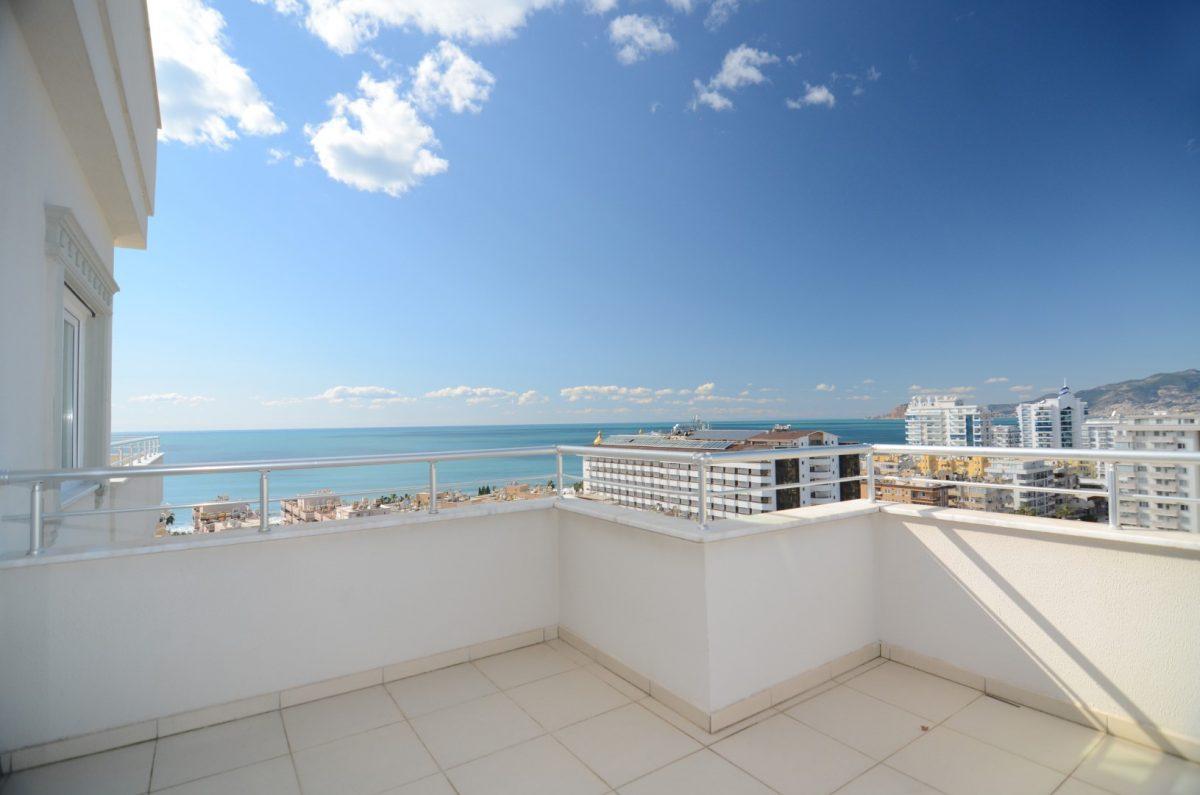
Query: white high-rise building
{"points": [[1053, 422], [1167, 432], [1100, 433], [943, 420], [1004, 436], [1038, 474]]}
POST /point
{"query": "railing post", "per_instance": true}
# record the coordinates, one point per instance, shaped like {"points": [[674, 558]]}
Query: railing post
{"points": [[264, 501], [433, 487], [871, 475], [559, 474], [1114, 500], [702, 493], [37, 503]]}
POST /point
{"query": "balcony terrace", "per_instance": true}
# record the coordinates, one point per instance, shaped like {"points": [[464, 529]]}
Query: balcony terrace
{"points": [[566, 645]]}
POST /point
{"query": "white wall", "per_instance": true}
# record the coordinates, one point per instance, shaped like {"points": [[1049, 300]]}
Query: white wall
{"points": [[99, 643], [638, 596], [1109, 624], [784, 602]]}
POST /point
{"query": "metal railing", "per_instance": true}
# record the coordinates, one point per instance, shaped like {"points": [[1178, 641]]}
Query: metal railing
{"points": [[704, 492], [126, 452]]}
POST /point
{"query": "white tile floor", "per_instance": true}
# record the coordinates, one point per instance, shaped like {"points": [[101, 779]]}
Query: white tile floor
{"points": [[545, 719]]}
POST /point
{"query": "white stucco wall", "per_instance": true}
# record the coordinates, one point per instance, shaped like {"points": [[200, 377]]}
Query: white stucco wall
{"points": [[98, 643], [638, 596], [1108, 624], [785, 602]]}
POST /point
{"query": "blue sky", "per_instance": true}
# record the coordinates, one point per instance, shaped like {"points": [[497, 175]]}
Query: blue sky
{"points": [[477, 211]]}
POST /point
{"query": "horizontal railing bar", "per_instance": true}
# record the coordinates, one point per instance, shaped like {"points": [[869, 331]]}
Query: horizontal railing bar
{"points": [[1156, 498], [920, 481], [280, 465], [818, 451], [638, 453], [119, 442], [780, 487], [1113, 455]]}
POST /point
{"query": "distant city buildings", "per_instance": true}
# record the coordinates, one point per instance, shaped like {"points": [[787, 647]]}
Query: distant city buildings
{"points": [[671, 487], [944, 421], [1053, 422], [1166, 432], [1100, 433], [1004, 436]]}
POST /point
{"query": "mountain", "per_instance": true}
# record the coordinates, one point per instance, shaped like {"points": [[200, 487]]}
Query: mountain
{"points": [[1174, 392], [895, 414]]}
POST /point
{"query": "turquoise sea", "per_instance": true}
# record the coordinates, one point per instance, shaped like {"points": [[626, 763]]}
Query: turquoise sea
{"points": [[195, 447]]}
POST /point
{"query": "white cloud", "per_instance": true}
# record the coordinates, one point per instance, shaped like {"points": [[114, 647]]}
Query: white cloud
{"points": [[868, 381], [874, 74], [376, 141], [719, 13], [531, 397], [486, 392], [341, 394], [173, 398], [283, 6], [275, 155], [1021, 388], [813, 96], [599, 6], [610, 391], [448, 76], [938, 390], [203, 93], [742, 66], [997, 379], [683, 6], [705, 389], [637, 36], [346, 25], [859, 397], [826, 387]]}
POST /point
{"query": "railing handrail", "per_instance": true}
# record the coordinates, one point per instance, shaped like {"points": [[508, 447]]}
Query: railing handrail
{"points": [[1108, 454], [273, 465], [131, 440], [703, 460]]}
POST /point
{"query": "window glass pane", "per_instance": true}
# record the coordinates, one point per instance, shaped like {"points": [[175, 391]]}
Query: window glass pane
{"points": [[70, 368]]}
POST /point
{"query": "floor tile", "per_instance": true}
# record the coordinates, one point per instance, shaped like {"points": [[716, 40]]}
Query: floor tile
{"points": [[695, 732], [566, 698], [540, 765], [862, 722], [365, 763], [339, 716], [215, 749], [1074, 786], [273, 777], [793, 758], [523, 665], [915, 691], [420, 695], [1056, 743], [862, 669], [119, 772], [702, 773], [961, 765], [468, 731], [436, 784], [1127, 768], [883, 780], [626, 743]]}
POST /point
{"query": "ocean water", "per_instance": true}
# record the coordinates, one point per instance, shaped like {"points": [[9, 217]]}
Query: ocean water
{"points": [[202, 447]]}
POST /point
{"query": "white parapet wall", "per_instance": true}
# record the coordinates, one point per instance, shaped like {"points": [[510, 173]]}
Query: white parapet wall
{"points": [[1109, 626], [98, 641]]}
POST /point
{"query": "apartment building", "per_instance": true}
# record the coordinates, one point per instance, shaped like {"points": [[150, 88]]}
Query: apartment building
{"points": [[1167, 432], [1053, 422], [1004, 436], [607, 475], [914, 493], [943, 420], [1037, 474], [1100, 433]]}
